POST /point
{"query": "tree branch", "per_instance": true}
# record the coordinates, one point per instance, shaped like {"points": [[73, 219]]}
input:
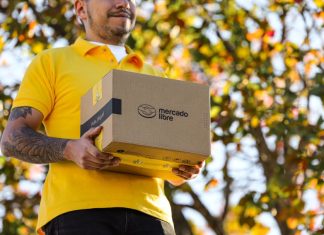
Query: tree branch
{"points": [[215, 223], [227, 189], [267, 157]]}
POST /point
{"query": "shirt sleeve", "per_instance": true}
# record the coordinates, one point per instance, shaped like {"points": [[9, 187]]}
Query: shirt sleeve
{"points": [[37, 87]]}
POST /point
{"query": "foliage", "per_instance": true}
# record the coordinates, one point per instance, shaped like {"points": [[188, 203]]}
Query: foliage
{"points": [[264, 79]]}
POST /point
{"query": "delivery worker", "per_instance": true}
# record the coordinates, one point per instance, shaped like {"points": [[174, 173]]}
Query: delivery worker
{"points": [[79, 196]]}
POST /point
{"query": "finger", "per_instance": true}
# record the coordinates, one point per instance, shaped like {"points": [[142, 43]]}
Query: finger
{"points": [[88, 165], [182, 174], [189, 169], [105, 159], [106, 156], [201, 164], [93, 132], [113, 163], [98, 156]]}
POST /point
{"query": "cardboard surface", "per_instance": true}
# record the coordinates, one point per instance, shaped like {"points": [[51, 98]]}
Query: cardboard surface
{"points": [[151, 123]]}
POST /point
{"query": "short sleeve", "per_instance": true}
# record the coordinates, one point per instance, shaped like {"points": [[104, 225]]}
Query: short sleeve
{"points": [[37, 87]]}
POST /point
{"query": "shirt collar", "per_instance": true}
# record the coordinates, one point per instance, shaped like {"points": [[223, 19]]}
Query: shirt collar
{"points": [[83, 46]]}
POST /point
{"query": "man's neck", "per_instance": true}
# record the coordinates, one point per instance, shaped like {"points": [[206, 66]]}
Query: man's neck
{"points": [[118, 51], [117, 41]]}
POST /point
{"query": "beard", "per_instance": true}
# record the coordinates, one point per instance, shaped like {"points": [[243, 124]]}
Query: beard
{"points": [[107, 31]]}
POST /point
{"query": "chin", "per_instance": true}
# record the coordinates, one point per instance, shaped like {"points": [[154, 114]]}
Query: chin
{"points": [[122, 30]]}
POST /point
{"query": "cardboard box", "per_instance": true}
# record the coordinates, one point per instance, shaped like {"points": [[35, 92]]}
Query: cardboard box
{"points": [[153, 124]]}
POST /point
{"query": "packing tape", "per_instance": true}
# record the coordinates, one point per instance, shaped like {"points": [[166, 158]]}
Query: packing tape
{"points": [[96, 93], [98, 141], [149, 163]]}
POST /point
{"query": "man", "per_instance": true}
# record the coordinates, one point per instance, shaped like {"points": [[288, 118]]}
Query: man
{"points": [[79, 196]]}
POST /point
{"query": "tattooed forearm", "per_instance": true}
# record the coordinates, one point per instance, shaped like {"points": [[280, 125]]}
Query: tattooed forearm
{"points": [[20, 112], [28, 145]]}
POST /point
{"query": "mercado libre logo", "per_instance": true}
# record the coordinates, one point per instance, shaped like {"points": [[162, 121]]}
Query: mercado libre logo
{"points": [[148, 111]]}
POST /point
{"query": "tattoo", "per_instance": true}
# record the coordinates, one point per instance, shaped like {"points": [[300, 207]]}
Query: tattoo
{"points": [[30, 146], [20, 112]]}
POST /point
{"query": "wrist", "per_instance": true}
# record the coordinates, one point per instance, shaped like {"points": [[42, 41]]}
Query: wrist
{"points": [[67, 150]]}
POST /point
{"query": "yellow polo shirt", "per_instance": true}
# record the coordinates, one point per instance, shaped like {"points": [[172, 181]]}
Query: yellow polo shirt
{"points": [[53, 84]]}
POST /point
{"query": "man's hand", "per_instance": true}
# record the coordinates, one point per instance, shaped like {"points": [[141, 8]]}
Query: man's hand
{"points": [[86, 155], [186, 173]]}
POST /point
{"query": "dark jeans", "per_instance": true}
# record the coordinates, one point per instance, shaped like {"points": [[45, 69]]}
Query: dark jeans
{"points": [[107, 221]]}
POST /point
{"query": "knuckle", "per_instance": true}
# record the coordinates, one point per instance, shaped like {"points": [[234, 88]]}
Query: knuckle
{"points": [[83, 154], [103, 166], [97, 154], [106, 155], [83, 163], [83, 166], [196, 171], [90, 130], [113, 162]]}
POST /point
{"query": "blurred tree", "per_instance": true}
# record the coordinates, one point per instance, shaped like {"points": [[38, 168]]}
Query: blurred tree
{"points": [[264, 63]]}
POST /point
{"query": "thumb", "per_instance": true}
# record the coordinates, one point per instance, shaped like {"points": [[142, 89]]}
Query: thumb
{"points": [[93, 132]]}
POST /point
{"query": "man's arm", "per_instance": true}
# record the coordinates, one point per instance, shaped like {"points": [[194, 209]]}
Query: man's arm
{"points": [[21, 140]]}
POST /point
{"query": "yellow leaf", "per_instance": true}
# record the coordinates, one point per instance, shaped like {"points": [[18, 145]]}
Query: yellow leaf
{"points": [[214, 111], [217, 99], [23, 231], [255, 121], [257, 34], [320, 15], [231, 224], [278, 47], [32, 25], [290, 62], [260, 94], [214, 69], [250, 71], [1, 44], [226, 88], [265, 199], [275, 118], [205, 50], [243, 52], [251, 211], [294, 76], [37, 47], [64, 9], [10, 217], [321, 133], [319, 3], [259, 229], [274, 7], [211, 184], [263, 56], [285, 1], [292, 223], [21, 37]]}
